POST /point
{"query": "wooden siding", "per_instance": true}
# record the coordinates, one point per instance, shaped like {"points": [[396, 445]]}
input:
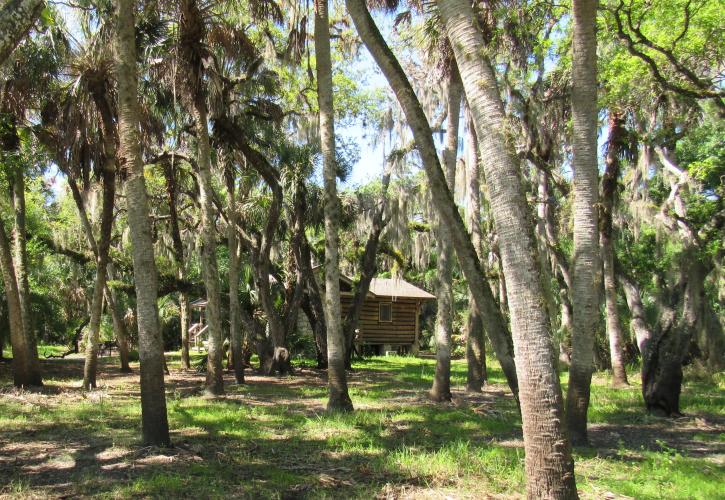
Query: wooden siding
{"points": [[399, 331]]}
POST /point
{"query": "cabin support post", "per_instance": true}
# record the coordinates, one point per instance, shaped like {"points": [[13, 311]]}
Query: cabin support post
{"points": [[416, 343]]}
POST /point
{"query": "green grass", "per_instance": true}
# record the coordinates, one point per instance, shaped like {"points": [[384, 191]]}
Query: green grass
{"points": [[43, 351], [272, 439]]}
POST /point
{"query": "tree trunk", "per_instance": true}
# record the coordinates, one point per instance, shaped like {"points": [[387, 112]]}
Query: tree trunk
{"points": [[21, 274], [311, 299], [23, 374], [549, 464], [277, 357], [339, 399], [664, 349], [475, 343], [119, 327], [441, 390], [210, 272], [17, 17], [368, 268], [235, 332], [543, 215], [192, 32], [586, 266], [184, 310], [151, 354], [442, 198], [606, 238], [104, 241]]}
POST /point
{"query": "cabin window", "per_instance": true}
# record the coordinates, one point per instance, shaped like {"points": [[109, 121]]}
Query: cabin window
{"points": [[385, 312]]}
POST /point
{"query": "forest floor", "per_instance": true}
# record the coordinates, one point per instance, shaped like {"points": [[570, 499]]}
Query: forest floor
{"points": [[271, 438]]}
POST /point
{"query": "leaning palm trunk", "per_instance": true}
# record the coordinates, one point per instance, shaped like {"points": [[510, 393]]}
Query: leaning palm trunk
{"points": [[549, 464], [21, 273], [109, 193], [445, 206], [585, 266], [609, 189], [441, 390], [23, 374], [151, 354], [119, 326], [16, 19], [339, 399], [475, 342]]}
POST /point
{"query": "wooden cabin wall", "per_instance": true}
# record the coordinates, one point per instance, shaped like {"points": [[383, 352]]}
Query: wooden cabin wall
{"points": [[401, 331]]}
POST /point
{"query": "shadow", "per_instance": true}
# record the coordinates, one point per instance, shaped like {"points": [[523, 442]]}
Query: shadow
{"points": [[271, 438]]}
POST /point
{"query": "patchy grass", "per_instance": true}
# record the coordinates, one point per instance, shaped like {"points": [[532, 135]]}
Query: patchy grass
{"points": [[272, 439]]}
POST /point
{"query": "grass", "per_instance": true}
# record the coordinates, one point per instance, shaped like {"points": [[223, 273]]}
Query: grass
{"points": [[272, 439]]}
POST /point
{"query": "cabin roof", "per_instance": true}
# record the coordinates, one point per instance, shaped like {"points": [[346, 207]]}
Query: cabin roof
{"points": [[397, 287], [389, 287]]}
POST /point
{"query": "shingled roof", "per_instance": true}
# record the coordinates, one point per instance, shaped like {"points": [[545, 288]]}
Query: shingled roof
{"points": [[397, 287], [388, 287]]}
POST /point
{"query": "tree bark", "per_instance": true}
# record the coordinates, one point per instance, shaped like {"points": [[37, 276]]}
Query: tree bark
{"points": [[549, 464], [338, 397], [170, 170], [151, 354], [209, 269], [103, 243], [368, 268], [441, 390], [274, 357], [23, 374], [475, 342], [615, 147], [235, 332], [191, 31], [311, 299], [21, 274], [442, 198], [119, 326], [586, 266], [17, 17]]}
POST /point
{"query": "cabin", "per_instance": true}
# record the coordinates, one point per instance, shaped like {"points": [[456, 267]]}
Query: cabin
{"points": [[389, 320], [390, 316]]}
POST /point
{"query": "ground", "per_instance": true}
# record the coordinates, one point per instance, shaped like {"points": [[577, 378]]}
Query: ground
{"points": [[272, 439]]}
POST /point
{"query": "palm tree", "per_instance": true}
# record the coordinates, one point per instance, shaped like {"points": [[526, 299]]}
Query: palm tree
{"points": [[16, 19], [235, 333], [97, 81], [170, 168], [442, 198], [586, 266], [549, 464], [475, 343], [192, 51], [151, 354], [23, 373], [21, 268], [616, 147], [339, 399], [441, 390]]}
